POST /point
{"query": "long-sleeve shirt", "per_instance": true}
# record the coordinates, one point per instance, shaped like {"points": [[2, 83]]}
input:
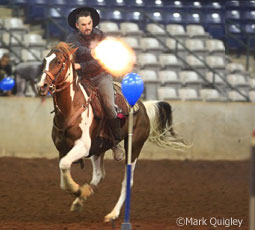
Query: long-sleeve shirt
{"points": [[89, 66]]}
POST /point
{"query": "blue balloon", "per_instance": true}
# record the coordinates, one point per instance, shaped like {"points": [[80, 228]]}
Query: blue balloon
{"points": [[132, 87], [7, 83]]}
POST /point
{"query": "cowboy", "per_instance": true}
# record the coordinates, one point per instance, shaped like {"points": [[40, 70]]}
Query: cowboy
{"points": [[85, 37]]}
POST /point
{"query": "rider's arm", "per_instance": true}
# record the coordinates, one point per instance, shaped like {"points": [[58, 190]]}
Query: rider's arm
{"points": [[90, 66], [82, 50]]}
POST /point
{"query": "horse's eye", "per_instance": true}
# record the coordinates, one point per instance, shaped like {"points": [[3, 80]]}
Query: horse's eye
{"points": [[59, 62]]}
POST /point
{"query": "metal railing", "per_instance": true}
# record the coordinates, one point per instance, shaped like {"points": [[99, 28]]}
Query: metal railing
{"points": [[178, 41]]}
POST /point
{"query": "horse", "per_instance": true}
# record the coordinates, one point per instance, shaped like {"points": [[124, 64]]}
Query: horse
{"points": [[77, 132], [27, 73]]}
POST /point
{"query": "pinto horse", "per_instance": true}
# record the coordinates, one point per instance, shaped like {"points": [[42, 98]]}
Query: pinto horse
{"points": [[76, 130]]}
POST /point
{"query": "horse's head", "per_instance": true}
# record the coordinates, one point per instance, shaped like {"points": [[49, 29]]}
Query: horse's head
{"points": [[56, 64]]}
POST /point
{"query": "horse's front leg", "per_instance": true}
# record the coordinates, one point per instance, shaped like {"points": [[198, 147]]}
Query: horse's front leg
{"points": [[79, 150], [98, 175], [67, 183]]}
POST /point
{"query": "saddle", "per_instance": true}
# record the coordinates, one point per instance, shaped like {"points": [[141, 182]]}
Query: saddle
{"points": [[104, 139], [97, 102]]}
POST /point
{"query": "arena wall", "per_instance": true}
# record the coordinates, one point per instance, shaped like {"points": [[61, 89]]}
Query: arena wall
{"points": [[215, 130]]}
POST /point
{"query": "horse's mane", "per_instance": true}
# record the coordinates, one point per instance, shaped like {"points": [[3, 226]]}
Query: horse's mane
{"points": [[66, 48]]}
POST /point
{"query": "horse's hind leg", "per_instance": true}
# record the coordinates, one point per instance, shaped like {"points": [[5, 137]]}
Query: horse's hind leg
{"points": [[136, 149], [97, 176], [140, 135], [98, 169], [114, 214]]}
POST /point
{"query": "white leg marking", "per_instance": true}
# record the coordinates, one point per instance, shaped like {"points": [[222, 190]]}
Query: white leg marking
{"points": [[78, 151], [114, 214], [48, 61], [98, 173]]}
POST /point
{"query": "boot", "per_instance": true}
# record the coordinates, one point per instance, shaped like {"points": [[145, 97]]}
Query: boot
{"points": [[118, 153]]}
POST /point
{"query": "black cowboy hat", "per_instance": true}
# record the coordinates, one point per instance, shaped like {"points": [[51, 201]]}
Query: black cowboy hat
{"points": [[94, 15]]}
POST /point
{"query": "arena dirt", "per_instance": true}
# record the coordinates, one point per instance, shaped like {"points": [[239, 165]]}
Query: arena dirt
{"points": [[30, 197]]}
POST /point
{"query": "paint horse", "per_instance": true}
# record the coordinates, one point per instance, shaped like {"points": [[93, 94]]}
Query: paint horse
{"points": [[77, 133]]}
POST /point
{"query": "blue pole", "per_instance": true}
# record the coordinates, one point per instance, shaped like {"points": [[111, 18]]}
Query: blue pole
{"points": [[128, 193], [127, 225]]}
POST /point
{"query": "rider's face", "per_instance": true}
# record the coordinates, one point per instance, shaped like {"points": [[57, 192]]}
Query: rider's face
{"points": [[85, 25]]}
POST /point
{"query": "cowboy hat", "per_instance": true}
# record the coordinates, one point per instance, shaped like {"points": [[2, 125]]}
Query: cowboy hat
{"points": [[72, 16]]}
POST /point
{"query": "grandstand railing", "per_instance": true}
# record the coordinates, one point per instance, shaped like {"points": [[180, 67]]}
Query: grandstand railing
{"points": [[9, 47], [247, 46], [213, 84]]}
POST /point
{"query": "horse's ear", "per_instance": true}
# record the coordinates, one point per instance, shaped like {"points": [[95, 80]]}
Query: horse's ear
{"points": [[74, 50]]}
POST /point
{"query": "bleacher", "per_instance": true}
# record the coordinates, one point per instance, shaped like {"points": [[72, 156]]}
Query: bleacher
{"points": [[180, 45]]}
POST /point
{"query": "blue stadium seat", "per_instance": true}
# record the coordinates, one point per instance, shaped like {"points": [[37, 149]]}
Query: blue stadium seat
{"points": [[135, 16], [77, 3], [175, 4], [249, 16], [194, 5], [248, 5], [103, 14], [5, 2], [231, 5], [17, 2], [213, 5], [136, 3], [112, 15], [249, 29], [96, 3], [174, 17], [38, 2], [156, 15], [116, 3], [58, 2], [234, 29], [193, 18], [213, 18], [37, 10], [233, 15], [55, 31], [215, 25], [155, 3], [56, 12]]}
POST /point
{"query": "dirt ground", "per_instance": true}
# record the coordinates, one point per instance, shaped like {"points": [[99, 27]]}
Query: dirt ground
{"points": [[30, 197]]}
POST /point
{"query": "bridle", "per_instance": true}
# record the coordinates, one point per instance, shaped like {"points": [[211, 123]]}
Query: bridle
{"points": [[52, 80]]}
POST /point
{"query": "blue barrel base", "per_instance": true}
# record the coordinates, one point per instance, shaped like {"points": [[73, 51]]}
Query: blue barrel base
{"points": [[126, 226]]}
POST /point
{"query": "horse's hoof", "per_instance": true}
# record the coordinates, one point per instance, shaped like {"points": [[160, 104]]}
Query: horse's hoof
{"points": [[110, 217], [77, 205]]}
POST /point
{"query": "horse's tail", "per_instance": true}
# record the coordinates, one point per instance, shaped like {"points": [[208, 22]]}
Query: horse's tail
{"points": [[161, 129]]}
